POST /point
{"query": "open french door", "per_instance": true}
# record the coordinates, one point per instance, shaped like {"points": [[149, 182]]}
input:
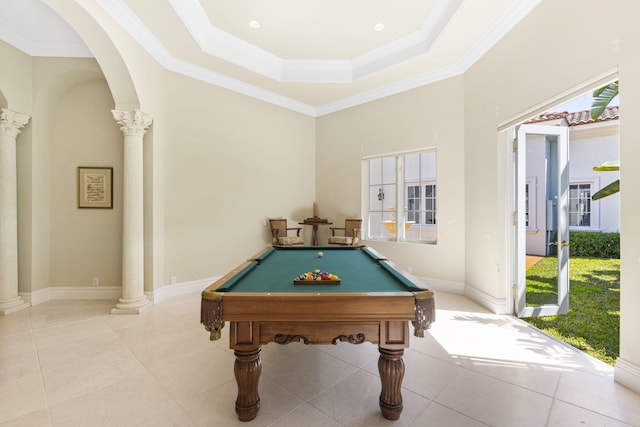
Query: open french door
{"points": [[541, 219]]}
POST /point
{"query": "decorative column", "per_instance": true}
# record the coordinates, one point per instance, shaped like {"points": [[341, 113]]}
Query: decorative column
{"points": [[134, 125], [10, 125]]}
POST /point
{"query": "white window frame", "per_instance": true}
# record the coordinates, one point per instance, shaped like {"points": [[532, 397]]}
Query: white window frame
{"points": [[594, 212], [422, 211], [427, 233], [423, 229]]}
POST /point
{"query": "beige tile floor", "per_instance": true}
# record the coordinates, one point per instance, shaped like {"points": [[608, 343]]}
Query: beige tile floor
{"points": [[71, 363]]}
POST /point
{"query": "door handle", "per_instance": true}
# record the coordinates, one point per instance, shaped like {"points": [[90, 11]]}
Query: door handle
{"points": [[563, 243]]}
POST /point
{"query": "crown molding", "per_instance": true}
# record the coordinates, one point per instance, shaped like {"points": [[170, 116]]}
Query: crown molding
{"points": [[238, 86], [311, 70], [132, 25], [410, 46], [223, 45], [265, 63], [391, 89], [507, 21]]}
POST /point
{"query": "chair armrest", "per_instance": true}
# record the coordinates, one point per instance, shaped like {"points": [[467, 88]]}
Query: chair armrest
{"points": [[333, 230], [297, 230]]}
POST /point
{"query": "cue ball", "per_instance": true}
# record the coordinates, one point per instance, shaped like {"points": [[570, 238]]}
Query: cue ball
{"points": [[320, 254]]}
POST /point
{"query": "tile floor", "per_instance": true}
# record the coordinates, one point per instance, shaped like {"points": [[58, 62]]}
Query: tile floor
{"points": [[71, 363]]}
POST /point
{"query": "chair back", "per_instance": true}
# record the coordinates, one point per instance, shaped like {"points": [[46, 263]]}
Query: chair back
{"points": [[278, 228], [352, 227]]}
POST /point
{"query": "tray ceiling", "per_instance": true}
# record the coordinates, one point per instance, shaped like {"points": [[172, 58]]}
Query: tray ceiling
{"points": [[311, 56]]}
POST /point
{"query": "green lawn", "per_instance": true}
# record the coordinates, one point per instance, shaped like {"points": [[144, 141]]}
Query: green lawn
{"points": [[593, 322]]}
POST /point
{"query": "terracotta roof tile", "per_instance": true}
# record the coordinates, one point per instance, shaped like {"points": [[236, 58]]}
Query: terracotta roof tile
{"points": [[577, 118]]}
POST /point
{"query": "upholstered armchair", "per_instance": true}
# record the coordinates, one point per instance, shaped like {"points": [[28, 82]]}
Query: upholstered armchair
{"points": [[280, 233], [348, 235]]}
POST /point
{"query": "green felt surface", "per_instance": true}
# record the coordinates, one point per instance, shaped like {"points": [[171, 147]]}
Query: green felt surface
{"points": [[359, 270]]}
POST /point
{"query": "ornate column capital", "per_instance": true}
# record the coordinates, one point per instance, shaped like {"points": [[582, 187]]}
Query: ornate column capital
{"points": [[11, 122], [132, 123]]}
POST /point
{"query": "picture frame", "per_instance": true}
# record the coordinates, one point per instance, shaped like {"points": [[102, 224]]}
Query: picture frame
{"points": [[95, 187]]}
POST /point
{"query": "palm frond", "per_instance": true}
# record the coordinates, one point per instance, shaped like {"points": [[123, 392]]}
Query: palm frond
{"points": [[611, 165], [610, 189], [602, 97]]}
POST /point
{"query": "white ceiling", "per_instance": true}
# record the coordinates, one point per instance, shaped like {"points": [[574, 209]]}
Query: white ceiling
{"points": [[312, 56]]}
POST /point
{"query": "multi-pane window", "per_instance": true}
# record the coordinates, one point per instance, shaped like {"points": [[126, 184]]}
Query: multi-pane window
{"points": [[430, 204], [421, 203], [414, 203], [411, 180], [580, 205], [381, 195]]}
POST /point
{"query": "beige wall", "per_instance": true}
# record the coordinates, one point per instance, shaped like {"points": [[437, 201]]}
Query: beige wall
{"points": [[70, 126], [231, 162], [34, 86], [555, 50], [429, 116], [630, 188], [15, 79], [85, 243], [528, 68]]}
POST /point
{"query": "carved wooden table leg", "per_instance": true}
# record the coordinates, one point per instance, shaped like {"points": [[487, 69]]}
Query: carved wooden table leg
{"points": [[247, 369], [391, 368]]}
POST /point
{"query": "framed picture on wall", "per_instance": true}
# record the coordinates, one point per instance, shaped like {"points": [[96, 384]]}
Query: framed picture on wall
{"points": [[95, 187]]}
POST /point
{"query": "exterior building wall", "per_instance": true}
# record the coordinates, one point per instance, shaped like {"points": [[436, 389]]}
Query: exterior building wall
{"points": [[589, 146]]}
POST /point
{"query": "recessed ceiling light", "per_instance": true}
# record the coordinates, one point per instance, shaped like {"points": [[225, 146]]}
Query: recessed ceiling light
{"points": [[254, 24], [378, 27]]}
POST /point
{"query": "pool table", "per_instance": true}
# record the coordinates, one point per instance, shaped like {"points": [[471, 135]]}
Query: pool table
{"points": [[373, 302]]}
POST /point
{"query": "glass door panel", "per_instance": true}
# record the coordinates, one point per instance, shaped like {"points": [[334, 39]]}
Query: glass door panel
{"points": [[542, 220]]}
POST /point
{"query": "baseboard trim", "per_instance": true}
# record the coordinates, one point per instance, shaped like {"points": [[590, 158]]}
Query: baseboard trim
{"points": [[494, 305], [627, 374], [72, 293], [179, 289], [36, 297], [111, 292], [443, 285]]}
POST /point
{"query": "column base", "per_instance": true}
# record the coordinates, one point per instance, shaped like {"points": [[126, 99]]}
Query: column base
{"points": [[13, 305], [131, 306]]}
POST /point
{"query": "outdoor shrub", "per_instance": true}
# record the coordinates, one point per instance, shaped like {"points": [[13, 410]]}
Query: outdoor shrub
{"points": [[594, 244]]}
